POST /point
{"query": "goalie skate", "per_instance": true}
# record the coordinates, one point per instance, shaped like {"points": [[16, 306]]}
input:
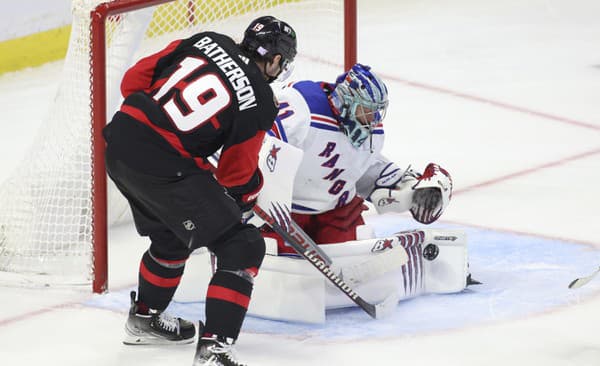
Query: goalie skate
{"points": [[156, 328]]}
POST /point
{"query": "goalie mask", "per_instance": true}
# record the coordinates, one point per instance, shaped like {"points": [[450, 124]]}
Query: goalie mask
{"points": [[360, 100], [268, 36]]}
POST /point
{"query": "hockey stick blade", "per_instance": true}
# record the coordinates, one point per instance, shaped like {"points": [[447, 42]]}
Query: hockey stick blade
{"points": [[386, 308], [579, 282], [376, 311]]}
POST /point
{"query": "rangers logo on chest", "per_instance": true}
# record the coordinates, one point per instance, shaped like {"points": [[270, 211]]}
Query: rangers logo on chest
{"points": [[338, 184]]}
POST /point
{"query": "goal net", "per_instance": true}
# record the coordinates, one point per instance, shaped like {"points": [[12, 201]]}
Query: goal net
{"points": [[53, 208]]}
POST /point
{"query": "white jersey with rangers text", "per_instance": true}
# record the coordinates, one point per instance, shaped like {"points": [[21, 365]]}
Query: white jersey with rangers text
{"points": [[331, 168]]}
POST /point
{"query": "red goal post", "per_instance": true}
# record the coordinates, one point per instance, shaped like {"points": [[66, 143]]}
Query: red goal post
{"points": [[100, 110]]}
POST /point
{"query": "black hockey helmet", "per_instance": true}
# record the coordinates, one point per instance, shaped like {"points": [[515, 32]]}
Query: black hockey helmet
{"points": [[268, 36]]}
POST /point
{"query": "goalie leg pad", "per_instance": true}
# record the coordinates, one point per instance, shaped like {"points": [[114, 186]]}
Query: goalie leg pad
{"points": [[374, 266], [445, 261]]}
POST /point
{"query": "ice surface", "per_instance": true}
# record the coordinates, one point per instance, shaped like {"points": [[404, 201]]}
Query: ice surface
{"points": [[502, 94]]}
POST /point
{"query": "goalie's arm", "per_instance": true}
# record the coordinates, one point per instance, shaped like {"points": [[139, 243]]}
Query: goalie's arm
{"points": [[381, 174]]}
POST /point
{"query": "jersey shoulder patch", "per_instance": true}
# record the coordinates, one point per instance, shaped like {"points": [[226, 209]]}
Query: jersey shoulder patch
{"points": [[314, 94]]}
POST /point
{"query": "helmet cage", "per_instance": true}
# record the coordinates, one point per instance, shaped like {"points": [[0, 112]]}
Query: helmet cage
{"points": [[360, 88]]}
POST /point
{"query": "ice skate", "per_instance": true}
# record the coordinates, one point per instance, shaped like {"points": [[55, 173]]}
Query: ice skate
{"points": [[156, 327], [215, 351]]}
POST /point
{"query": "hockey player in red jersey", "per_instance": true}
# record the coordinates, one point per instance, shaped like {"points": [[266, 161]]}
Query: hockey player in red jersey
{"points": [[339, 127], [182, 104]]}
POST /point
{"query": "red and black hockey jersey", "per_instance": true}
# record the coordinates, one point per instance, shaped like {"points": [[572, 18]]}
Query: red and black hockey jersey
{"points": [[188, 100]]}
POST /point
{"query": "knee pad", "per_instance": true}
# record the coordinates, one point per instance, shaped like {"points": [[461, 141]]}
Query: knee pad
{"points": [[241, 248]]}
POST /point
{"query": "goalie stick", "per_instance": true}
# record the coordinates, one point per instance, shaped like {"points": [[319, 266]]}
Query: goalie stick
{"points": [[579, 282], [376, 311]]}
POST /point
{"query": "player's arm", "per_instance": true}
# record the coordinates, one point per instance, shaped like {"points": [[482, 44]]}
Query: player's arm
{"points": [[238, 172], [238, 169], [393, 189], [142, 75]]}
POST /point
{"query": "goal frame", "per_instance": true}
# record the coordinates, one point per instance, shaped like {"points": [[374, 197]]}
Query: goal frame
{"points": [[99, 119]]}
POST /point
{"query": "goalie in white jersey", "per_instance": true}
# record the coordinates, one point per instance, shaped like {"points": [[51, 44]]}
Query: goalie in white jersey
{"points": [[339, 128]]}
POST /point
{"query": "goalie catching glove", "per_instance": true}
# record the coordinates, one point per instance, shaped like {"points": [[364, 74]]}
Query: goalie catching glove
{"points": [[425, 195]]}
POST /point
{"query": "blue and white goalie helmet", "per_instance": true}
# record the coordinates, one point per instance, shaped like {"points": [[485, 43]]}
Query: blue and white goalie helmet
{"points": [[360, 100]]}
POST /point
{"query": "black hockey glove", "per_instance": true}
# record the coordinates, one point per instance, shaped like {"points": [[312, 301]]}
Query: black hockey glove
{"points": [[245, 196], [247, 209]]}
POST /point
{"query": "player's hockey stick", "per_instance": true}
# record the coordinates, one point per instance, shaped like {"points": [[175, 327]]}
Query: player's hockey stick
{"points": [[280, 221], [282, 216], [579, 282], [293, 237]]}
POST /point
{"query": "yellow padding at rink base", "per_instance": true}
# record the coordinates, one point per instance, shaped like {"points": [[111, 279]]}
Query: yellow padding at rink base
{"points": [[40, 48], [201, 12], [34, 50]]}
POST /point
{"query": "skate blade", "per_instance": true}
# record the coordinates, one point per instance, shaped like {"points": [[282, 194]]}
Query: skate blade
{"points": [[132, 340]]}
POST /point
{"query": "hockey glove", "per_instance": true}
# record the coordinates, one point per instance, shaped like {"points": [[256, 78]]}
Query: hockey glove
{"points": [[432, 194], [391, 175], [393, 189], [247, 208], [245, 196], [425, 195]]}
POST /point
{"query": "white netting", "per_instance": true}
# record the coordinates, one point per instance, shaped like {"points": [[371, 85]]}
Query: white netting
{"points": [[45, 208]]}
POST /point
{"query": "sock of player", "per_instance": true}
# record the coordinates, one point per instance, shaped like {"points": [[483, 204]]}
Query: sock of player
{"points": [[227, 301], [158, 280]]}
